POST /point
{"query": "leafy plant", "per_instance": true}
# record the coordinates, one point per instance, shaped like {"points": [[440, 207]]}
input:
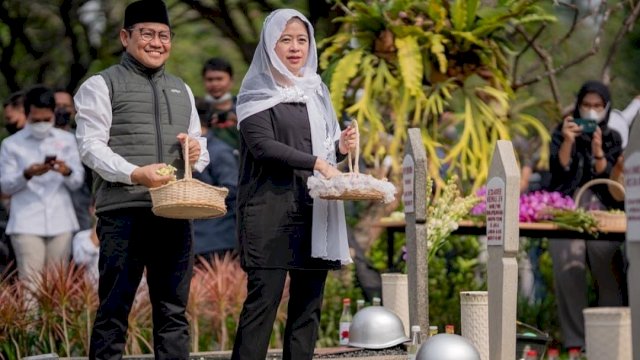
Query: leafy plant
{"points": [[404, 63]]}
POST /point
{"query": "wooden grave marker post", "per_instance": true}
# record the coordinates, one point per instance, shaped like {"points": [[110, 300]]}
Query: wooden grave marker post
{"points": [[502, 224]]}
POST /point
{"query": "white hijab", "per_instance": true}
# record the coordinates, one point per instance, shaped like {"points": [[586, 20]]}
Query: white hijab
{"points": [[260, 91]]}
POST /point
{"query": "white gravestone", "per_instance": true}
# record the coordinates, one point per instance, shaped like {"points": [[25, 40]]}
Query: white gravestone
{"points": [[503, 194], [416, 232], [632, 209]]}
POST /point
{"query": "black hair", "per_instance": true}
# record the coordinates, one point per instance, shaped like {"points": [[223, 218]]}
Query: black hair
{"points": [[217, 64], [41, 97], [15, 99]]}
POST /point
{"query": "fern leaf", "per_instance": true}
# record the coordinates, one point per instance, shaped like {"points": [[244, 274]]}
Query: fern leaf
{"points": [[345, 70], [437, 48], [410, 63], [459, 14], [337, 43]]}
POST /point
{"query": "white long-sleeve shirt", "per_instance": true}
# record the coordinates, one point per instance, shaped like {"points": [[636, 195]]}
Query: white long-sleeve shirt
{"points": [[94, 117], [41, 205], [620, 121]]}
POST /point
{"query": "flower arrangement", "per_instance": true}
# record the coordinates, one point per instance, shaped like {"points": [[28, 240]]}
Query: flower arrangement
{"points": [[444, 212], [545, 206]]}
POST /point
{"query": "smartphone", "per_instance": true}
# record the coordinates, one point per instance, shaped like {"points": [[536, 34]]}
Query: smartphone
{"points": [[49, 159], [588, 125]]}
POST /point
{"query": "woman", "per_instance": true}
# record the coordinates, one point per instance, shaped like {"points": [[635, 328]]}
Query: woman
{"points": [[288, 130], [577, 157]]}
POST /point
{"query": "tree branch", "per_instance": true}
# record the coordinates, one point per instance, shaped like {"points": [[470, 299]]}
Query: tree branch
{"points": [[624, 29], [547, 59], [524, 50]]}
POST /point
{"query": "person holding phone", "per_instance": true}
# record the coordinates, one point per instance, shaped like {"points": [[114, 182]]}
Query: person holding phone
{"points": [[39, 167], [576, 157]]}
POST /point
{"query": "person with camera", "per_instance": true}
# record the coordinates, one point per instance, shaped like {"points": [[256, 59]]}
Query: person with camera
{"points": [[584, 148], [217, 75], [39, 167]]}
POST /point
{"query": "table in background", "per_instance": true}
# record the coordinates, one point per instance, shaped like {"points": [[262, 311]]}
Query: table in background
{"points": [[532, 230]]}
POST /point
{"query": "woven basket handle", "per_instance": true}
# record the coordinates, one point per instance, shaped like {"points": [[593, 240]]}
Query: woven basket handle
{"points": [[355, 167], [187, 168], [593, 182]]}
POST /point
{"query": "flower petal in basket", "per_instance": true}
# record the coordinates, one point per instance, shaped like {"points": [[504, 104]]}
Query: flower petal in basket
{"points": [[351, 186], [188, 199]]}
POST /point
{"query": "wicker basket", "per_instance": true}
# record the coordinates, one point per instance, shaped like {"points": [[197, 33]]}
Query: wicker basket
{"points": [[607, 221], [188, 198], [354, 168]]}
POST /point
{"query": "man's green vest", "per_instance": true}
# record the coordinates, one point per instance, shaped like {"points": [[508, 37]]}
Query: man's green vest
{"points": [[149, 109]]}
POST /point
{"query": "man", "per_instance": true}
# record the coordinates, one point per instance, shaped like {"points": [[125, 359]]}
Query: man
{"points": [[14, 120], [39, 166], [14, 116], [65, 111], [217, 75], [131, 120]]}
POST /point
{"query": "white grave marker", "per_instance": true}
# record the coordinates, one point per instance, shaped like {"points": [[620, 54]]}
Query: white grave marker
{"points": [[632, 209], [416, 233], [503, 193]]}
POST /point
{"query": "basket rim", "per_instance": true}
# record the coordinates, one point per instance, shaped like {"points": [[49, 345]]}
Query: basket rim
{"points": [[189, 180]]}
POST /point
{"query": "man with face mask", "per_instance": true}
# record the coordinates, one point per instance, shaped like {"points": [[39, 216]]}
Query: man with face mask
{"points": [[39, 166], [577, 156], [14, 117]]}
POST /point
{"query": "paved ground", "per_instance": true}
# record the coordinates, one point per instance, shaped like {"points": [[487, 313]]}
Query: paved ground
{"points": [[341, 353]]}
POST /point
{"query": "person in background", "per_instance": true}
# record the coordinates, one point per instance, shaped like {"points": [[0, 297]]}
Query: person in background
{"points": [[576, 157], [14, 120], [39, 166], [216, 237], [65, 110], [288, 130], [14, 115], [133, 119], [217, 75], [621, 120], [81, 197]]}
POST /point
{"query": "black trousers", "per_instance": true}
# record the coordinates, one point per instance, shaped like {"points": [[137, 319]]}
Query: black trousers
{"points": [[265, 286], [131, 240]]}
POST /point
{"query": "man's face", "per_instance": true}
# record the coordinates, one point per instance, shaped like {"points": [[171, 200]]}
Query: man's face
{"points": [[217, 83], [15, 115], [64, 101], [149, 43]]}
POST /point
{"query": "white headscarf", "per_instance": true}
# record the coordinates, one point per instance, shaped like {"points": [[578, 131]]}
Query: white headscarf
{"points": [[260, 91]]}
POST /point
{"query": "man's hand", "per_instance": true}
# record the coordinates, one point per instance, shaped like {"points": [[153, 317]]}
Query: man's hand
{"points": [[61, 167], [194, 147], [570, 130], [147, 176], [36, 170]]}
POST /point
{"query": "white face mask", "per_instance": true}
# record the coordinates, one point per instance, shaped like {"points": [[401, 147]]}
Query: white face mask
{"points": [[40, 129], [594, 115]]}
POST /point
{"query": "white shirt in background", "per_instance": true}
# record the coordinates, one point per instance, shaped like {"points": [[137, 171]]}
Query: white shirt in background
{"points": [[42, 205], [620, 121]]}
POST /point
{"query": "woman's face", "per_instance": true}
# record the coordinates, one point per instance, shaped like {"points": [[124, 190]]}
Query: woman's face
{"points": [[293, 46]]}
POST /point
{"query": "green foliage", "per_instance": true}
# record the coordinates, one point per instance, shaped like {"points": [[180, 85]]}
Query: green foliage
{"points": [[419, 61], [453, 269], [336, 289]]}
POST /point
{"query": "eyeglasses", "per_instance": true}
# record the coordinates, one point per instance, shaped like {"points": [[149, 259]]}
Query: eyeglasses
{"points": [[595, 106], [148, 34]]}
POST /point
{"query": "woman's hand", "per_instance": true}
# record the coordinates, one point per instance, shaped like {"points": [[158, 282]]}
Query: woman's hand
{"points": [[348, 140], [570, 130], [326, 169], [596, 144]]}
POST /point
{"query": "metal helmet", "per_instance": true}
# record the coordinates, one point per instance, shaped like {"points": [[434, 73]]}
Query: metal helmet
{"points": [[376, 327], [447, 347]]}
